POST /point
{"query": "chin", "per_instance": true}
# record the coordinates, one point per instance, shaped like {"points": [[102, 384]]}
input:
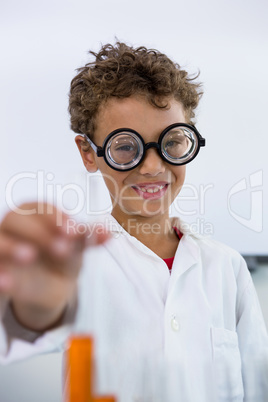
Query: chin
{"points": [[149, 213]]}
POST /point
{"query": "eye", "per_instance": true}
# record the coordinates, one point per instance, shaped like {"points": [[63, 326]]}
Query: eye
{"points": [[124, 148], [174, 143]]}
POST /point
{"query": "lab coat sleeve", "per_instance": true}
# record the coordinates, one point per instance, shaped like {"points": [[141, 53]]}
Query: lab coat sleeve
{"points": [[18, 343], [253, 341]]}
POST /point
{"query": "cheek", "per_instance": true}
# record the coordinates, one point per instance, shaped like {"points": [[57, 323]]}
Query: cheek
{"points": [[180, 173], [114, 181]]}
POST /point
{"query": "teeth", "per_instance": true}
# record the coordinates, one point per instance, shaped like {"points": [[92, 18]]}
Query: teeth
{"points": [[151, 190]]}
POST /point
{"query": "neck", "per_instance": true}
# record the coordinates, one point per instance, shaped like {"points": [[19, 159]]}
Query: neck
{"points": [[154, 232]]}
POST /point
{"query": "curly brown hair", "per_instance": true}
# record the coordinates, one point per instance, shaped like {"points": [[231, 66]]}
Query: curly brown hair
{"points": [[122, 71]]}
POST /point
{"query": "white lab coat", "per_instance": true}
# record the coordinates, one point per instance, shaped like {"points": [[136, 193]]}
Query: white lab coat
{"points": [[196, 335]]}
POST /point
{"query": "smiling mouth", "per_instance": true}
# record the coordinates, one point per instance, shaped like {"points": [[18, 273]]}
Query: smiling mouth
{"points": [[151, 191]]}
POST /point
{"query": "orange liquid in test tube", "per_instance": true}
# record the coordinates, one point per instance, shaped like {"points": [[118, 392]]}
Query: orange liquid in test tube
{"points": [[80, 364], [81, 371]]}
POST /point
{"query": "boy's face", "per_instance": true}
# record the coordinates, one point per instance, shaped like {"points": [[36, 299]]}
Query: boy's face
{"points": [[150, 188]]}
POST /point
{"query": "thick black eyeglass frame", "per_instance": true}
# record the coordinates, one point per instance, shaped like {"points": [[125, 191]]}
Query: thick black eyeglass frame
{"points": [[100, 151]]}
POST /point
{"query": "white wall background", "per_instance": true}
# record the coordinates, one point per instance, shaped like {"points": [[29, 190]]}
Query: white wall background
{"points": [[42, 43]]}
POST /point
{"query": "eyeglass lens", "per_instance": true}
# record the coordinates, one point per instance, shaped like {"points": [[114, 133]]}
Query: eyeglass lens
{"points": [[123, 149], [177, 146]]}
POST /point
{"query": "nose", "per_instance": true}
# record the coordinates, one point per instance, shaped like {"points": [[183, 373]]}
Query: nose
{"points": [[152, 164]]}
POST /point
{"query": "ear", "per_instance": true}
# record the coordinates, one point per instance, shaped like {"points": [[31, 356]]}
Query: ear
{"points": [[87, 154]]}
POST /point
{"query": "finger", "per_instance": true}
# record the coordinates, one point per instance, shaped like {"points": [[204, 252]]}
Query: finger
{"points": [[58, 222], [37, 230], [12, 250], [96, 235], [35, 285], [54, 218], [6, 282], [87, 235]]}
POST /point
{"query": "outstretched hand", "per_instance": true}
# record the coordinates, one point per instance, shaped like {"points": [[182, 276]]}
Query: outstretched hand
{"points": [[40, 260]]}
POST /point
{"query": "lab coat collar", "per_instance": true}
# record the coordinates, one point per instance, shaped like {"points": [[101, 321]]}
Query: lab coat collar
{"points": [[188, 252], [187, 255], [113, 226]]}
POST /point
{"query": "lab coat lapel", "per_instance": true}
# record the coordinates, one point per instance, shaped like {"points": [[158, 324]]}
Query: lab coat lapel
{"points": [[188, 252], [187, 256]]}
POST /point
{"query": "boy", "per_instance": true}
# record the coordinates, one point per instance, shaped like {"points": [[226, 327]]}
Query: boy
{"points": [[153, 290]]}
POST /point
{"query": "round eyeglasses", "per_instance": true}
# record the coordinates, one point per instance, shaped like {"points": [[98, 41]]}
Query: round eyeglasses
{"points": [[124, 149]]}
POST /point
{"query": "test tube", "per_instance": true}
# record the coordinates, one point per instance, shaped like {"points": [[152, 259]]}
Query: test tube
{"points": [[81, 375], [81, 371]]}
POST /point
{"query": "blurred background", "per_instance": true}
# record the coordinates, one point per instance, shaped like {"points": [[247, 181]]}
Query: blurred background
{"points": [[225, 194]]}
